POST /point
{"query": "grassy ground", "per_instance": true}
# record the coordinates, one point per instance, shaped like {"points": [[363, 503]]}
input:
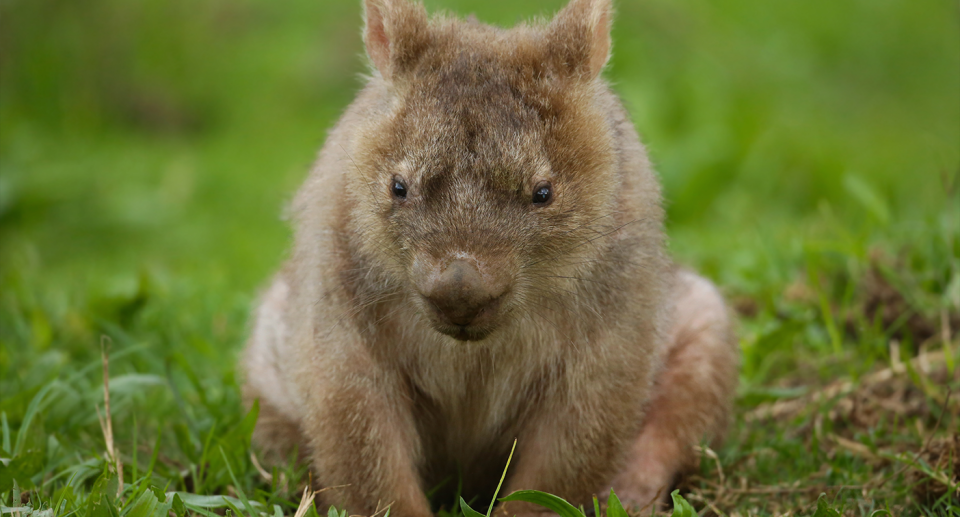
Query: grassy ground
{"points": [[809, 150]]}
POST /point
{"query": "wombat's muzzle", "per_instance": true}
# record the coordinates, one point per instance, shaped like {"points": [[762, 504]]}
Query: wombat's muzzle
{"points": [[464, 297]]}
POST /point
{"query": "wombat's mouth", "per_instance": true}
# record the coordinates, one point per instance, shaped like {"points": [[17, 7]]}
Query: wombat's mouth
{"points": [[462, 333], [475, 327]]}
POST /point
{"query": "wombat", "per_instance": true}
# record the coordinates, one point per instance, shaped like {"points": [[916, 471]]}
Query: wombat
{"points": [[479, 257]]}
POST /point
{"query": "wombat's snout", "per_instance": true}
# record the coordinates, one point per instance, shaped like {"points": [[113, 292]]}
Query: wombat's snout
{"points": [[465, 300]]}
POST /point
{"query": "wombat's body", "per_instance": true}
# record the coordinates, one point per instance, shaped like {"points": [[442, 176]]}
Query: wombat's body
{"points": [[479, 257]]}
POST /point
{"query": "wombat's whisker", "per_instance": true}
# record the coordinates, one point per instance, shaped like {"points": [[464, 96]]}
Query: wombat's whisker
{"points": [[350, 313], [587, 224], [581, 279], [588, 241]]}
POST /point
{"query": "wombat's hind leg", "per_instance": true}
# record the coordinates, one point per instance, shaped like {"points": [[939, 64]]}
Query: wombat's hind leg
{"points": [[277, 432], [276, 436], [692, 396]]}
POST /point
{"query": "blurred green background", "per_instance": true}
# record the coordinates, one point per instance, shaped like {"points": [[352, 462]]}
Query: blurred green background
{"points": [[168, 134], [148, 147]]}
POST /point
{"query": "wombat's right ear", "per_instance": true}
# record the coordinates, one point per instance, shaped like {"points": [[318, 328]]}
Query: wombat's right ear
{"points": [[579, 38], [396, 33]]}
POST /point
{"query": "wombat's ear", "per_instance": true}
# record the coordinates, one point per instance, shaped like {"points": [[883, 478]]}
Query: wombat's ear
{"points": [[578, 38], [396, 33]]}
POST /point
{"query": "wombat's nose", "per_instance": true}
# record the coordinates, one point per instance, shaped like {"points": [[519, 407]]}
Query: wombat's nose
{"points": [[460, 293]]}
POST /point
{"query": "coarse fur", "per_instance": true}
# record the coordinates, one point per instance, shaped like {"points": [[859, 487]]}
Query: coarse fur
{"points": [[605, 361]]}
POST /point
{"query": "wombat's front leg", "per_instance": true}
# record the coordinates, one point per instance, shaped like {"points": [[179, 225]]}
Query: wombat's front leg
{"points": [[362, 436], [578, 439], [346, 415], [693, 394]]}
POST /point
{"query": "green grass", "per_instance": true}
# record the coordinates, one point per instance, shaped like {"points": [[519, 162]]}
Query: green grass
{"points": [[809, 150]]}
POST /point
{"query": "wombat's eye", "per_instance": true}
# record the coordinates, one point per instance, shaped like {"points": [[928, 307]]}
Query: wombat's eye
{"points": [[399, 189], [542, 193]]}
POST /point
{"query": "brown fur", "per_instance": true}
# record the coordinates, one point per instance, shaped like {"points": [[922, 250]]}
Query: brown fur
{"points": [[350, 361]]}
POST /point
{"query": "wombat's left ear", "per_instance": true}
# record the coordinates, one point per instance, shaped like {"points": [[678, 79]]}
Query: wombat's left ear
{"points": [[578, 38], [396, 33]]}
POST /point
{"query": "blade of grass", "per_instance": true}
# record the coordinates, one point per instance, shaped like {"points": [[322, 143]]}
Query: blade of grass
{"points": [[236, 484], [306, 501], [237, 510], [946, 337], [6, 432], [502, 477], [835, 339], [201, 475], [614, 507], [549, 501], [200, 510], [153, 457], [106, 422], [681, 508], [135, 433], [467, 511], [35, 406]]}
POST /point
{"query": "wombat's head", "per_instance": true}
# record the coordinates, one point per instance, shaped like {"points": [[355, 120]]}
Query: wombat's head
{"points": [[483, 177]]}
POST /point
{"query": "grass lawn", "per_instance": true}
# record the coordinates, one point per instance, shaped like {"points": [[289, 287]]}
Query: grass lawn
{"points": [[810, 153]]}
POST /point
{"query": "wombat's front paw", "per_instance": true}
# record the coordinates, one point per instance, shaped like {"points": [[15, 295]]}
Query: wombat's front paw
{"points": [[645, 499]]}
